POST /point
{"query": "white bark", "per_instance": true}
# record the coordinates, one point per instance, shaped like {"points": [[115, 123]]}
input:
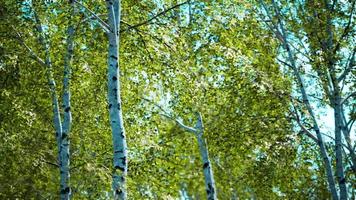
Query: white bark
{"points": [[207, 168], [338, 148], [51, 82], [114, 100], [62, 129], [67, 116]]}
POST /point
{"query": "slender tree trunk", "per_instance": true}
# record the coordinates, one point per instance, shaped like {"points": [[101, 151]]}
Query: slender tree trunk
{"points": [[321, 144], [67, 116], [316, 128], [338, 119], [198, 131], [346, 133], [55, 105], [114, 100], [338, 148], [208, 172], [207, 168], [336, 101]]}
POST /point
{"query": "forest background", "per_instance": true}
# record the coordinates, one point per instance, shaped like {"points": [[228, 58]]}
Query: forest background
{"points": [[177, 99]]}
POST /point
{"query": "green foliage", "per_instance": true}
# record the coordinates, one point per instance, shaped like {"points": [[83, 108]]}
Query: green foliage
{"points": [[218, 60]]}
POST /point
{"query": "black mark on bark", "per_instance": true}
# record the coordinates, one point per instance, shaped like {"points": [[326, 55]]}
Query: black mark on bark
{"points": [[67, 109], [120, 168], [114, 57], [205, 165], [65, 190]]}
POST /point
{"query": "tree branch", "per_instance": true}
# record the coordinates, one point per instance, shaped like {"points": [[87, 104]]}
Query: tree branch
{"points": [[284, 63], [150, 35], [154, 17], [348, 68], [348, 96], [33, 54], [305, 130], [102, 23], [169, 116], [347, 28], [50, 163]]}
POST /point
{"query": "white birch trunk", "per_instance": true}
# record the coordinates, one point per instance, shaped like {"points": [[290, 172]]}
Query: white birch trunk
{"points": [[67, 116], [207, 168], [114, 100], [198, 131], [52, 87]]}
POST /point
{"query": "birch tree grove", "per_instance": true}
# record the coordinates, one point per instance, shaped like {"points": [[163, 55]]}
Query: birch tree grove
{"points": [[177, 99]]}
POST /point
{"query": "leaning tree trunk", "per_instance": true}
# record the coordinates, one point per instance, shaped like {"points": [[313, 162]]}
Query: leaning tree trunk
{"points": [[114, 100], [207, 169]]}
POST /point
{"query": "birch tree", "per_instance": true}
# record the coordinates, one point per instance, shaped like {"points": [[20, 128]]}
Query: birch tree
{"points": [[66, 106], [112, 29], [198, 132], [62, 128], [321, 44], [114, 100]]}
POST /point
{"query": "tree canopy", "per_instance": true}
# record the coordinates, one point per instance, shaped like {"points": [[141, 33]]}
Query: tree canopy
{"points": [[177, 99]]}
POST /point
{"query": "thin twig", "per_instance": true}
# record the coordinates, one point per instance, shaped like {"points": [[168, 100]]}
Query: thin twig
{"points": [[155, 17], [105, 26], [348, 96], [169, 116], [33, 54], [348, 67]]}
